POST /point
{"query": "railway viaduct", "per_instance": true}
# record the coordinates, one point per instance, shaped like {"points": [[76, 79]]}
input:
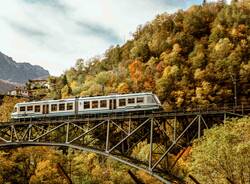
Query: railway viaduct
{"points": [[115, 135]]}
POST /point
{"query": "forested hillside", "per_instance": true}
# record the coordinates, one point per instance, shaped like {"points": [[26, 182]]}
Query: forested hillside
{"points": [[191, 57]]}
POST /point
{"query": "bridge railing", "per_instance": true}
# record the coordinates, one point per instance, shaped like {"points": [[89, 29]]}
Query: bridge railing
{"points": [[243, 108]]}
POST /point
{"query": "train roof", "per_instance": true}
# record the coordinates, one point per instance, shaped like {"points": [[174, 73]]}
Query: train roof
{"points": [[117, 95], [46, 101], [87, 97]]}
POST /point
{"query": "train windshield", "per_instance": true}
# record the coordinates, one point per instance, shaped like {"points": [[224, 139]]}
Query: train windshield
{"points": [[157, 100], [150, 99]]}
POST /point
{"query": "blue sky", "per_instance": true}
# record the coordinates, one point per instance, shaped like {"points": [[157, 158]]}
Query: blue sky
{"points": [[54, 33]]}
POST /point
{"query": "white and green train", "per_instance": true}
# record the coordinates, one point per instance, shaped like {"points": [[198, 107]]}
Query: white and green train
{"points": [[117, 103]]}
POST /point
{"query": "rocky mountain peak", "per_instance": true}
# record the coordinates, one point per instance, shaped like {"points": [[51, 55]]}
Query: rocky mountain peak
{"points": [[15, 72]]}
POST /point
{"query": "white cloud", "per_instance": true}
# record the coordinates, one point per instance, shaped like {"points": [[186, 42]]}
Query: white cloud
{"points": [[54, 33]]}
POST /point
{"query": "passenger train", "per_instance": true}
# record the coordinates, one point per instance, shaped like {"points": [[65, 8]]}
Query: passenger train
{"points": [[87, 105]]}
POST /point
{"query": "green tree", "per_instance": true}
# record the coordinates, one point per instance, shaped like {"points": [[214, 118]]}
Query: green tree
{"points": [[222, 155]]}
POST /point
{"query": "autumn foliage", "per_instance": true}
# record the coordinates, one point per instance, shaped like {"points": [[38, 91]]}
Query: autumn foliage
{"points": [[188, 58]]}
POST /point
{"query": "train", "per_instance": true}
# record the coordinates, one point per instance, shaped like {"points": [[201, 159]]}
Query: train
{"points": [[114, 103]]}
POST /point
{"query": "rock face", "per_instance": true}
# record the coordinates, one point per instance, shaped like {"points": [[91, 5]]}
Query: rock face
{"points": [[19, 72]]}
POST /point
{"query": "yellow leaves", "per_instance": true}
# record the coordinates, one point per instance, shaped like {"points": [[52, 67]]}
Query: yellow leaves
{"points": [[234, 32], [239, 31], [108, 182], [203, 93], [90, 168], [244, 70], [31, 164], [180, 96], [171, 71], [243, 43], [65, 91], [164, 85], [45, 167], [146, 178], [220, 27], [223, 48], [91, 156], [220, 46], [138, 153], [47, 172], [73, 85], [222, 152], [205, 89], [7, 107], [97, 171], [177, 48], [142, 151], [199, 74], [197, 58], [123, 88], [6, 164]]}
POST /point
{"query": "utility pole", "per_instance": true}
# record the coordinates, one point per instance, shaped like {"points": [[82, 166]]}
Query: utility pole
{"points": [[234, 80], [235, 92]]}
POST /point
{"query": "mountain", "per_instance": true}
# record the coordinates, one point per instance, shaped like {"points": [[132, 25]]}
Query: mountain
{"points": [[5, 86], [19, 72]]}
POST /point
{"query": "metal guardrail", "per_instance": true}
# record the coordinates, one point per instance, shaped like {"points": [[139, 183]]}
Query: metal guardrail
{"points": [[241, 108]]}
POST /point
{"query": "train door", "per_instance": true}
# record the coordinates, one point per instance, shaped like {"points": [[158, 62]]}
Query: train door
{"points": [[76, 106], [112, 104], [46, 109]]}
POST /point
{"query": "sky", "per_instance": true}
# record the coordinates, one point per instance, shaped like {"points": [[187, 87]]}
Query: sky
{"points": [[55, 33]]}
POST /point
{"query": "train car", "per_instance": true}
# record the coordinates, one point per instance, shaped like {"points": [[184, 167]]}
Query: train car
{"points": [[87, 105]]}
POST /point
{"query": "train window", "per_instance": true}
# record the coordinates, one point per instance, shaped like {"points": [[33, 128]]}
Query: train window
{"points": [[37, 108], [54, 107], [122, 102], [94, 104], [61, 107], [22, 109], [131, 100], [103, 103], [15, 109], [140, 99], [69, 106], [30, 108], [86, 105]]}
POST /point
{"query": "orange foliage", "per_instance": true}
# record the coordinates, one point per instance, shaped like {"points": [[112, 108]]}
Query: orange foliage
{"points": [[136, 70]]}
